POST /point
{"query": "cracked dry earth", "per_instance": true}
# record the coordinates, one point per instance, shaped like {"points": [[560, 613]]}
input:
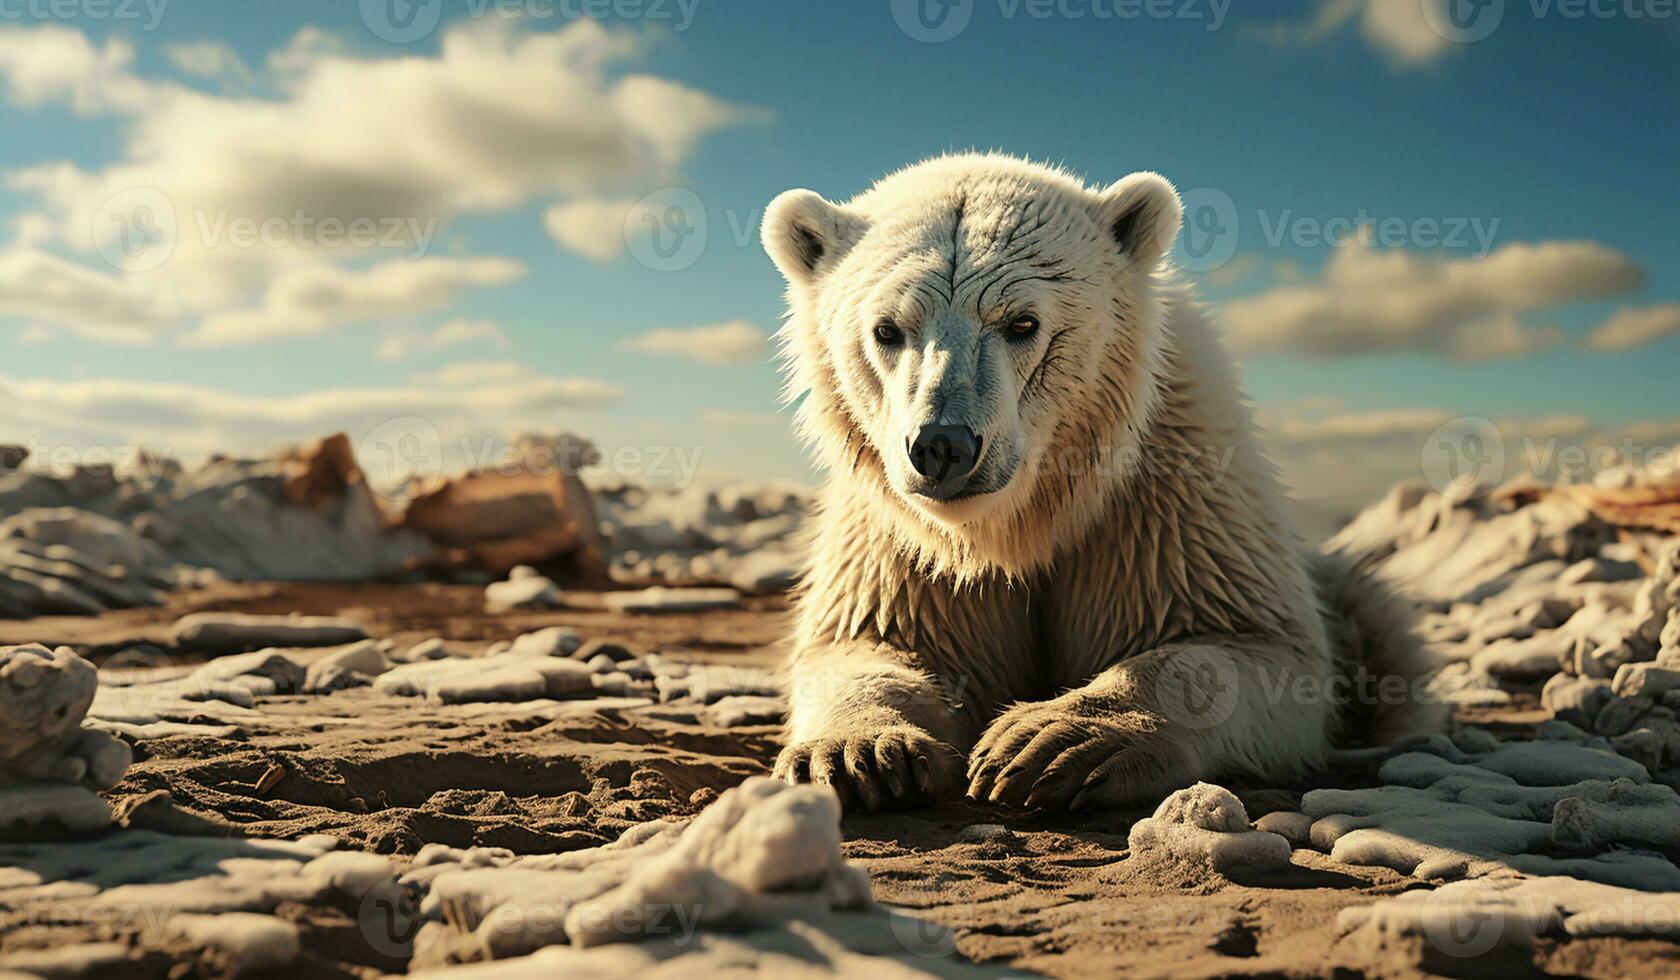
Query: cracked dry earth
{"points": [[1020, 894]]}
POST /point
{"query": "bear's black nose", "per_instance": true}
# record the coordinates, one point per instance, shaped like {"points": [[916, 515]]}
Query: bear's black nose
{"points": [[944, 455]]}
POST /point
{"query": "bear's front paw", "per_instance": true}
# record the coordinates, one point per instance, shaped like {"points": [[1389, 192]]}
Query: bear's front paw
{"points": [[1072, 753], [874, 769]]}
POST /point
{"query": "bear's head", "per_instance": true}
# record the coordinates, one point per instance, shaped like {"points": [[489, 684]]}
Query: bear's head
{"points": [[973, 337]]}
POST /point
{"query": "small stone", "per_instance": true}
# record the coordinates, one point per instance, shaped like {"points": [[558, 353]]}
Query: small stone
{"points": [[660, 599], [1645, 680], [521, 594], [1296, 828], [432, 649], [240, 941], [239, 632], [616, 652], [1206, 824], [1620, 714], [980, 833], [56, 806], [1577, 700], [554, 641], [354, 666]]}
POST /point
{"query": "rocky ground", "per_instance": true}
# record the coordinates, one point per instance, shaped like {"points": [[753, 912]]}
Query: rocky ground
{"points": [[533, 779]]}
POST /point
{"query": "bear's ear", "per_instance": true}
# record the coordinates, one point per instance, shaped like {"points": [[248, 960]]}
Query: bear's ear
{"points": [[802, 231], [1143, 213]]}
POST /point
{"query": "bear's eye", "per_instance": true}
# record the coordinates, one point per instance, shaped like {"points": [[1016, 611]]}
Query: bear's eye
{"points": [[887, 333], [1023, 326]]}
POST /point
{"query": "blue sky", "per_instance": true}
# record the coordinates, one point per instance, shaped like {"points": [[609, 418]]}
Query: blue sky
{"points": [[1551, 129]]}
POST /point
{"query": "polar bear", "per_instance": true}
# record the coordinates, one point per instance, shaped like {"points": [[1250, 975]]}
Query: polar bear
{"points": [[1049, 540]]}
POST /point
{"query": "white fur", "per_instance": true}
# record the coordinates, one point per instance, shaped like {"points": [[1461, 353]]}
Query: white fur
{"points": [[1130, 525]]}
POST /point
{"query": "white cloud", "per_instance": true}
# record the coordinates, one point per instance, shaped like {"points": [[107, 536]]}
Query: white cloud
{"points": [[1371, 300], [467, 373], [1399, 30], [398, 344], [56, 64], [314, 299], [209, 59], [1501, 336], [307, 46], [1337, 461], [193, 420], [91, 304], [498, 118], [593, 228], [724, 418], [1632, 327], [732, 342], [1346, 427]]}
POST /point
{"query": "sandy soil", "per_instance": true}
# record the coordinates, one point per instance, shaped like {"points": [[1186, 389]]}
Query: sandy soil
{"points": [[1058, 896]]}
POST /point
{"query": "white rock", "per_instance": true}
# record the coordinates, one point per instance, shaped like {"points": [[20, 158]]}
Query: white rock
{"points": [[1449, 814], [1645, 680], [432, 649], [357, 663], [42, 806], [1472, 927], [489, 679], [554, 641], [44, 698], [758, 846], [237, 632], [79, 960], [660, 599], [711, 683], [1630, 814], [240, 940], [534, 592], [1296, 828], [765, 571], [1207, 825]]}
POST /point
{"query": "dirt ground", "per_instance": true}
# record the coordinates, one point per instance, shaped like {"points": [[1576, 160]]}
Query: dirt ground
{"points": [[1053, 895]]}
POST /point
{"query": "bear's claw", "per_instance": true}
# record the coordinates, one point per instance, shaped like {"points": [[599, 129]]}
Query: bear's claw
{"points": [[1062, 755], [874, 770]]}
